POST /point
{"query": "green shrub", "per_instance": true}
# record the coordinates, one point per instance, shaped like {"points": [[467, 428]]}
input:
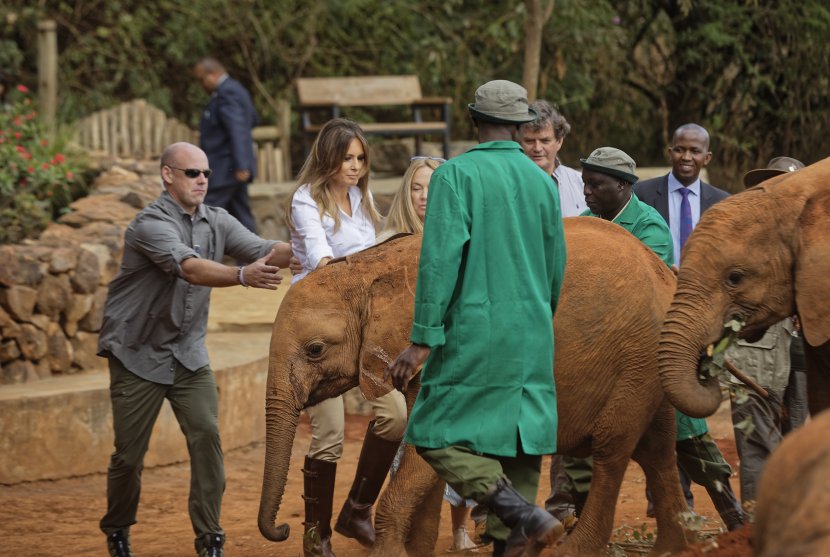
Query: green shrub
{"points": [[39, 176]]}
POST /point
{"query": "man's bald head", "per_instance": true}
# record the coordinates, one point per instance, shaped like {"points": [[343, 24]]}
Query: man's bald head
{"points": [[692, 128], [175, 152]]}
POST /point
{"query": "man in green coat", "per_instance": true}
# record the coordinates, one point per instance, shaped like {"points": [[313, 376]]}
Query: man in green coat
{"points": [[492, 262], [608, 176]]}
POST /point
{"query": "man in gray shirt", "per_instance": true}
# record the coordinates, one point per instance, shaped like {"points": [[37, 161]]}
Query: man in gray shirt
{"points": [[153, 335]]}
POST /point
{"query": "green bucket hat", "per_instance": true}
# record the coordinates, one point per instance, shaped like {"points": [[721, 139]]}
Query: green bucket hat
{"points": [[611, 161], [502, 102]]}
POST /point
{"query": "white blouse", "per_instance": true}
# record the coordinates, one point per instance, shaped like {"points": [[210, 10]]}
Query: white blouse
{"points": [[314, 238]]}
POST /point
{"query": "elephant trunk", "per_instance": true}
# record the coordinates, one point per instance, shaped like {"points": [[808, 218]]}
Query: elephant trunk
{"points": [[682, 341], [281, 418]]}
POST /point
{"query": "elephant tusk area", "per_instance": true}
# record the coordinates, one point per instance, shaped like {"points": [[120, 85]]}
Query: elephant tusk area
{"points": [[745, 379]]}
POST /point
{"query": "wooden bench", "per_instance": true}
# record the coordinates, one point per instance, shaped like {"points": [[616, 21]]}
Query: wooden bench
{"points": [[330, 94]]}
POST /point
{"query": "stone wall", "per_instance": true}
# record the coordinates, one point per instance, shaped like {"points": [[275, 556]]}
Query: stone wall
{"points": [[53, 289]]}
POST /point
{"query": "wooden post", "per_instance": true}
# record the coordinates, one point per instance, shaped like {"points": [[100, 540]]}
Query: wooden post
{"points": [[47, 69]]}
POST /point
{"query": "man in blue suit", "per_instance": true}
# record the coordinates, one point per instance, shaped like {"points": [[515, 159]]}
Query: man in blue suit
{"points": [[225, 136]]}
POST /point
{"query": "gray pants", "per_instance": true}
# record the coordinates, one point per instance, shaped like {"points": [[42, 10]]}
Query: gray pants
{"points": [[136, 404], [766, 434]]}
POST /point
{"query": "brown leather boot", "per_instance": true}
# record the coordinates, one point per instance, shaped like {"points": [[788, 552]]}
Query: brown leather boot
{"points": [[355, 519], [318, 479]]}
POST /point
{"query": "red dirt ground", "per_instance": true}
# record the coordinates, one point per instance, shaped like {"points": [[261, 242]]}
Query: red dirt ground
{"points": [[57, 518]]}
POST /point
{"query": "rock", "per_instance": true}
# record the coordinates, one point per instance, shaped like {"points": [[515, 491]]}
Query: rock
{"points": [[107, 208], [54, 295], [9, 351], [32, 342], [63, 260], [115, 175], [95, 318], [59, 353], [5, 318], [19, 301], [18, 267], [39, 370], [106, 264], [78, 307], [84, 351], [17, 372], [12, 330], [40, 321], [87, 275]]}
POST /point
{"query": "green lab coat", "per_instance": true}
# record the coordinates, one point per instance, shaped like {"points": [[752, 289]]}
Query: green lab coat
{"points": [[492, 262]]}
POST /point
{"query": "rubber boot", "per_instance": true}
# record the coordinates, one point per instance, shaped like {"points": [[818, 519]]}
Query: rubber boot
{"points": [[531, 528], [355, 519], [118, 544], [318, 478]]}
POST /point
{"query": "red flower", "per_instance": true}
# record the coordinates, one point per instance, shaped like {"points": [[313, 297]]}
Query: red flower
{"points": [[22, 88], [59, 158], [69, 175], [45, 166], [18, 135], [30, 170], [21, 149], [17, 121]]}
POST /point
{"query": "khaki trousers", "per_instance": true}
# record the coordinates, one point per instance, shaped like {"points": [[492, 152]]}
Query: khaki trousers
{"points": [[328, 424], [472, 475]]}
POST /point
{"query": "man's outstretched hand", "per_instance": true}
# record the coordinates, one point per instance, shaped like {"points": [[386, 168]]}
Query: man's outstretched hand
{"points": [[260, 274], [407, 364]]}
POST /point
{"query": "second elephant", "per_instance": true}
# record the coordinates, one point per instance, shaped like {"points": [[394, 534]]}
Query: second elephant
{"points": [[342, 325]]}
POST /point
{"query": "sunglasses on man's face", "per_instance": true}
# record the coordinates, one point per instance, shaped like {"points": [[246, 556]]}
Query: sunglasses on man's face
{"points": [[193, 172]]}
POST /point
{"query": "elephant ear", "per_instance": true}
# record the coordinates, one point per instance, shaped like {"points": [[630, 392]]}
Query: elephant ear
{"points": [[386, 329], [812, 267]]}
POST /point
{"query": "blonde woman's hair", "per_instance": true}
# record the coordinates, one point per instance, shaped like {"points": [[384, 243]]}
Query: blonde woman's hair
{"points": [[324, 162], [402, 216]]}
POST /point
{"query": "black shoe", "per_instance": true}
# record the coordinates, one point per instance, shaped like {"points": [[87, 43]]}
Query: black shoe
{"points": [[118, 544], [211, 546], [531, 528]]}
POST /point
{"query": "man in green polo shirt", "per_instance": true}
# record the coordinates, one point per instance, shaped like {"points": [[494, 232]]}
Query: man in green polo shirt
{"points": [[608, 176], [491, 264]]}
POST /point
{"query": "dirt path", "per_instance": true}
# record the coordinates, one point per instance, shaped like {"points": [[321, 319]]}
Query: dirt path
{"points": [[57, 518]]}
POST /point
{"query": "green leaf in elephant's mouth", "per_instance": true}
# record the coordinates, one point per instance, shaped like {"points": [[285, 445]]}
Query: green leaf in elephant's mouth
{"points": [[713, 362]]}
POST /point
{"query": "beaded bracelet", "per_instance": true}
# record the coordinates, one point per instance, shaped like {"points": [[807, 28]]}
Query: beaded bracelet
{"points": [[241, 277]]}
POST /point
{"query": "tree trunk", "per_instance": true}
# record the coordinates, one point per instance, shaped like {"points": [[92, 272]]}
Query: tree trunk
{"points": [[538, 13]]}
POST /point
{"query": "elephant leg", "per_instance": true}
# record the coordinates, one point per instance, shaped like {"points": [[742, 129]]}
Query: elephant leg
{"points": [[403, 497], [423, 535], [818, 377], [611, 452], [655, 454]]}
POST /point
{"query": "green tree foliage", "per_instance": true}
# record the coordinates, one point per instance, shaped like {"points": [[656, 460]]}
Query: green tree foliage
{"points": [[754, 72]]}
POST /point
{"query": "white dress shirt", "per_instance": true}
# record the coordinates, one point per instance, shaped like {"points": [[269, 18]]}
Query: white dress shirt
{"points": [[314, 238], [675, 199], [571, 191]]}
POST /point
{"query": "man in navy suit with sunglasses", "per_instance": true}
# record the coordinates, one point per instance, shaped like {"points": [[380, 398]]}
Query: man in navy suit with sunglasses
{"points": [[225, 136]]}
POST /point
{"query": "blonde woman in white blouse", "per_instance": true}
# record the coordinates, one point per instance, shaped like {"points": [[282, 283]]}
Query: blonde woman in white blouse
{"points": [[331, 215]]}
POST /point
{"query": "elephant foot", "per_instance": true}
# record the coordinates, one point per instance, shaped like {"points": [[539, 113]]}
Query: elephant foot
{"points": [[572, 547], [389, 550]]}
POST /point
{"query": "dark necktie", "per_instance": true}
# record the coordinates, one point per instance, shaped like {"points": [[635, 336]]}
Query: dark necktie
{"points": [[685, 217]]}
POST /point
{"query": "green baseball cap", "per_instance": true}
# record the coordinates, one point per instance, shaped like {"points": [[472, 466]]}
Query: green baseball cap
{"points": [[612, 161]]}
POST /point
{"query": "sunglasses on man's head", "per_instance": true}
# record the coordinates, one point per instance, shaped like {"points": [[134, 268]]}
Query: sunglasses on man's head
{"points": [[439, 160], [192, 172]]}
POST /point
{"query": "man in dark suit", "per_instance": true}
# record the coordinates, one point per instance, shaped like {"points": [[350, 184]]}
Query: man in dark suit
{"points": [[225, 136], [681, 196]]}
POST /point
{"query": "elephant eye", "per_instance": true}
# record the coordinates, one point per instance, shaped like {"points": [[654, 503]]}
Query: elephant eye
{"points": [[735, 278], [315, 350]]}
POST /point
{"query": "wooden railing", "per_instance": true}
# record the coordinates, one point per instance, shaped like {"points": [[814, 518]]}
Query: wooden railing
{"points": [[137, 129]]}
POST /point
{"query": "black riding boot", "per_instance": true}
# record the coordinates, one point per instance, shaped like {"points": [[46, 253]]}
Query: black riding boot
{"points": [[318, 476], [355, 519], [531, 528]]}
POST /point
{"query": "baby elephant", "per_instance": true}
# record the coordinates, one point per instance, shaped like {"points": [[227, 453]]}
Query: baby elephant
{"points": [[793, 510]]}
